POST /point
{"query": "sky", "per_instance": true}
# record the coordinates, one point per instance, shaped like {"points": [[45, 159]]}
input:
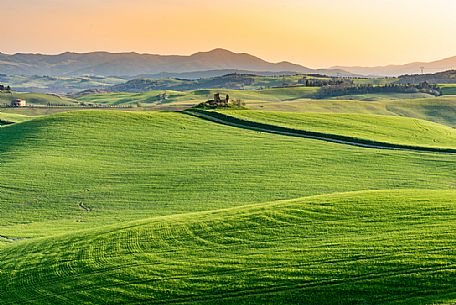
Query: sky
{"points": [[314, 33]]}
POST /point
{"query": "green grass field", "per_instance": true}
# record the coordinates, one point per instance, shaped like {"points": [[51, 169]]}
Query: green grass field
{"points": [[375, 81], [448, 89], [198, 96], [382, 96], [441, 109], [36, 99], [387, 129], [57, 84], [248, 96], [162, 207], [13, 118], [131, 164], [388, 247], [297, 99]]}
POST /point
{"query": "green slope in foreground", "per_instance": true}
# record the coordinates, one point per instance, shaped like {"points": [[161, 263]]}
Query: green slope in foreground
{"points": [[387, 129], [89, 168], [380, 247]]}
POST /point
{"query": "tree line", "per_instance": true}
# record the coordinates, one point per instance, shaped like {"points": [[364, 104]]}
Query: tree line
{"points": [[316, 82], [5, 88], [340, 90]]}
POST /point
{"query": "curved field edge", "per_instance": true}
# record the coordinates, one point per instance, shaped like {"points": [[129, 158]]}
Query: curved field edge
{"points": [[125, 166], [441, 110], [222, 117], [389, 129], [389, 247], [10, 118]]}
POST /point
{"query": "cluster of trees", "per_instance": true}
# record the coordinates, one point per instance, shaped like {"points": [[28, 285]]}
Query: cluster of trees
{"points": [[316, 82], [5, 88], [229, 81], [447, 77], [340, 90], [218, 102]]}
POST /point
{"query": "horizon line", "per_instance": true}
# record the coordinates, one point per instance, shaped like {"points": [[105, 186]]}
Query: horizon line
{"points": [[222, 49]]}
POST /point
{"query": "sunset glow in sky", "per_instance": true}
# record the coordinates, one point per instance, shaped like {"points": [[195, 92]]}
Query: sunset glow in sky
{"points": [[315, 33]]}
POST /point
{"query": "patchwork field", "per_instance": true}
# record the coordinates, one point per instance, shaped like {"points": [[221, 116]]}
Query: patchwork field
{"points": [[165, 207], [298, 99], [198, 96]]}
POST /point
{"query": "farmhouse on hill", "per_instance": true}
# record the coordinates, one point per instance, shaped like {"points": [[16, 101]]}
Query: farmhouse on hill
{"points": [[18, 103], [217, 101]]}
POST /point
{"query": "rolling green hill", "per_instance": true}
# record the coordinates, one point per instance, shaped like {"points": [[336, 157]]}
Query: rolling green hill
{"points": [[58, 84], [388, 247], [227, 81], [382, 96], [116, 207], [126, 166], [198, 96], [37, 99], [441, 110], [249, 96], [445, 77], [13, 118], [437, 109], [386, 129], [448, 89]]}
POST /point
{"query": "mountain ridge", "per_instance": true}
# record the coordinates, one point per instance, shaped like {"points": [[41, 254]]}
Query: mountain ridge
{"points": [[132, 64], [417, 67]]}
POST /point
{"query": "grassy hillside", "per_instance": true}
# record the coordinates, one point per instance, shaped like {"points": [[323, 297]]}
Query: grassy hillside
{"points": [[37, 99], [57, 84], [13, 118], [357, 248], [124, 207], [198, 96], [249, 96], [441, 110], [445, 77], [448, 89], [375, 81], [88, 168], [227, 81], [387, 129], [437, 109], [382, 96]]}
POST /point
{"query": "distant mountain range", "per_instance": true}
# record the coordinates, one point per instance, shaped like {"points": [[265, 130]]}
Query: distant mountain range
{"points": [[214, 63], [397, 70], [134, 64]]}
